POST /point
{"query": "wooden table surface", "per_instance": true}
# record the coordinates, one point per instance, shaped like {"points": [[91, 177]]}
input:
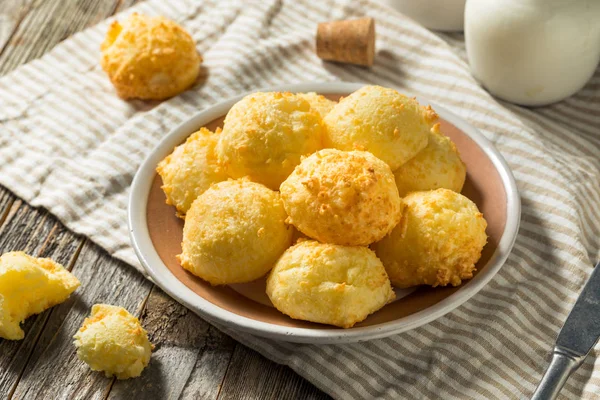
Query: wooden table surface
{"points": [[191, 360]]}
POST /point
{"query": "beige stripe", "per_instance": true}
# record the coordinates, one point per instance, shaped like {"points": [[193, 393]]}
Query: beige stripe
{"points": [[537, 227], [526, 272], [571, 120], [529, 270], [525, 288], [592, 88], [556, 251], [566, 199], [352, 356], [532, 324], [408, 354], [361, 383], [576, 109], [545, 263], [465, 347], [505, 371], [403, 364], [575, 231], [70, 52], [265, 66], [453, 338], [553, 255], [584, 97], [319, 363], [90, 129], [554, 131]]}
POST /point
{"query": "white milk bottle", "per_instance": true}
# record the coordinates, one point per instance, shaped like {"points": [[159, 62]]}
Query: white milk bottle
{"points": [[532, 52]]}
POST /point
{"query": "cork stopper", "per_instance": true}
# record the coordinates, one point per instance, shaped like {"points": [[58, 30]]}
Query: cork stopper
{"points": [[351, 41]]}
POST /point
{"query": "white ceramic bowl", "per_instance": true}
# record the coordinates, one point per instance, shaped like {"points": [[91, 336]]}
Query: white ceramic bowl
{"points": [[154, 234]]}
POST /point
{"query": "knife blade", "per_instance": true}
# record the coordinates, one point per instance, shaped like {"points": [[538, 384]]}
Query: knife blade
{"points": [[582, 327], [577, 337]]}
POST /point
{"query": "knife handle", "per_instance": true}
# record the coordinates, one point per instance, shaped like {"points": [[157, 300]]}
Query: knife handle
{"points": [[562, 365]]}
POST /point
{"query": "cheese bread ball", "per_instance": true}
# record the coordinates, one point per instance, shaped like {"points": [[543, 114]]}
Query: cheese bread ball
{"points": [[437, 243], [190, 169], [437, 166], [342, 197], [234, 232], [149, 57], [318, 102], [28, 286], [265, 134], [329, 284], [112, 340], [382, 121]]}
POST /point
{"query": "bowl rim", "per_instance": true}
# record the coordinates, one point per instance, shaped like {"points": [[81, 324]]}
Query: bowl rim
{"points": [[162, 276]]}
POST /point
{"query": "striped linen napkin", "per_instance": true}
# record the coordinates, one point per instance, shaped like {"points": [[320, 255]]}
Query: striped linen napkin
{"points": [[69, 144]]}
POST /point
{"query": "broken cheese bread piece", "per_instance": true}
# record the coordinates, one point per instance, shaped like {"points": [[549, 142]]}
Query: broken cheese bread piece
{"points": [[112, 340], [28, 286]]}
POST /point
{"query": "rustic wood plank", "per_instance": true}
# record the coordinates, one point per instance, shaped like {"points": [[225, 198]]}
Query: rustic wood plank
{"points": [[124, 4], [11, 14], [48, 23], [206, 379], [53, 370], [190, 358], [38, 234], [194, 360], [6, 201], [252, 376], [22, 227]]}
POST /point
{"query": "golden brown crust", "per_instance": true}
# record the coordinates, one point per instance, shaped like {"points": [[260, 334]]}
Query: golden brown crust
{"points": [[329, 284], [436, 166], [318, 102], [149, 57], [382, 121], [113, 341], [437, 243], [190, 169], [340, 197], [265, 134], [29, 285], [234, 232]]}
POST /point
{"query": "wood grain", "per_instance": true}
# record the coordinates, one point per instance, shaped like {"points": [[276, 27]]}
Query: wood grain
{"points": [[192, 359], [32, 231], [11, 14], [247, 378], [48, 23], [122, 5], [6, 201], [103, 280]]}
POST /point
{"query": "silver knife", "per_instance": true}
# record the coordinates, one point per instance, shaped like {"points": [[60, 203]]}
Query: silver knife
{"points": [[575, 340]]}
